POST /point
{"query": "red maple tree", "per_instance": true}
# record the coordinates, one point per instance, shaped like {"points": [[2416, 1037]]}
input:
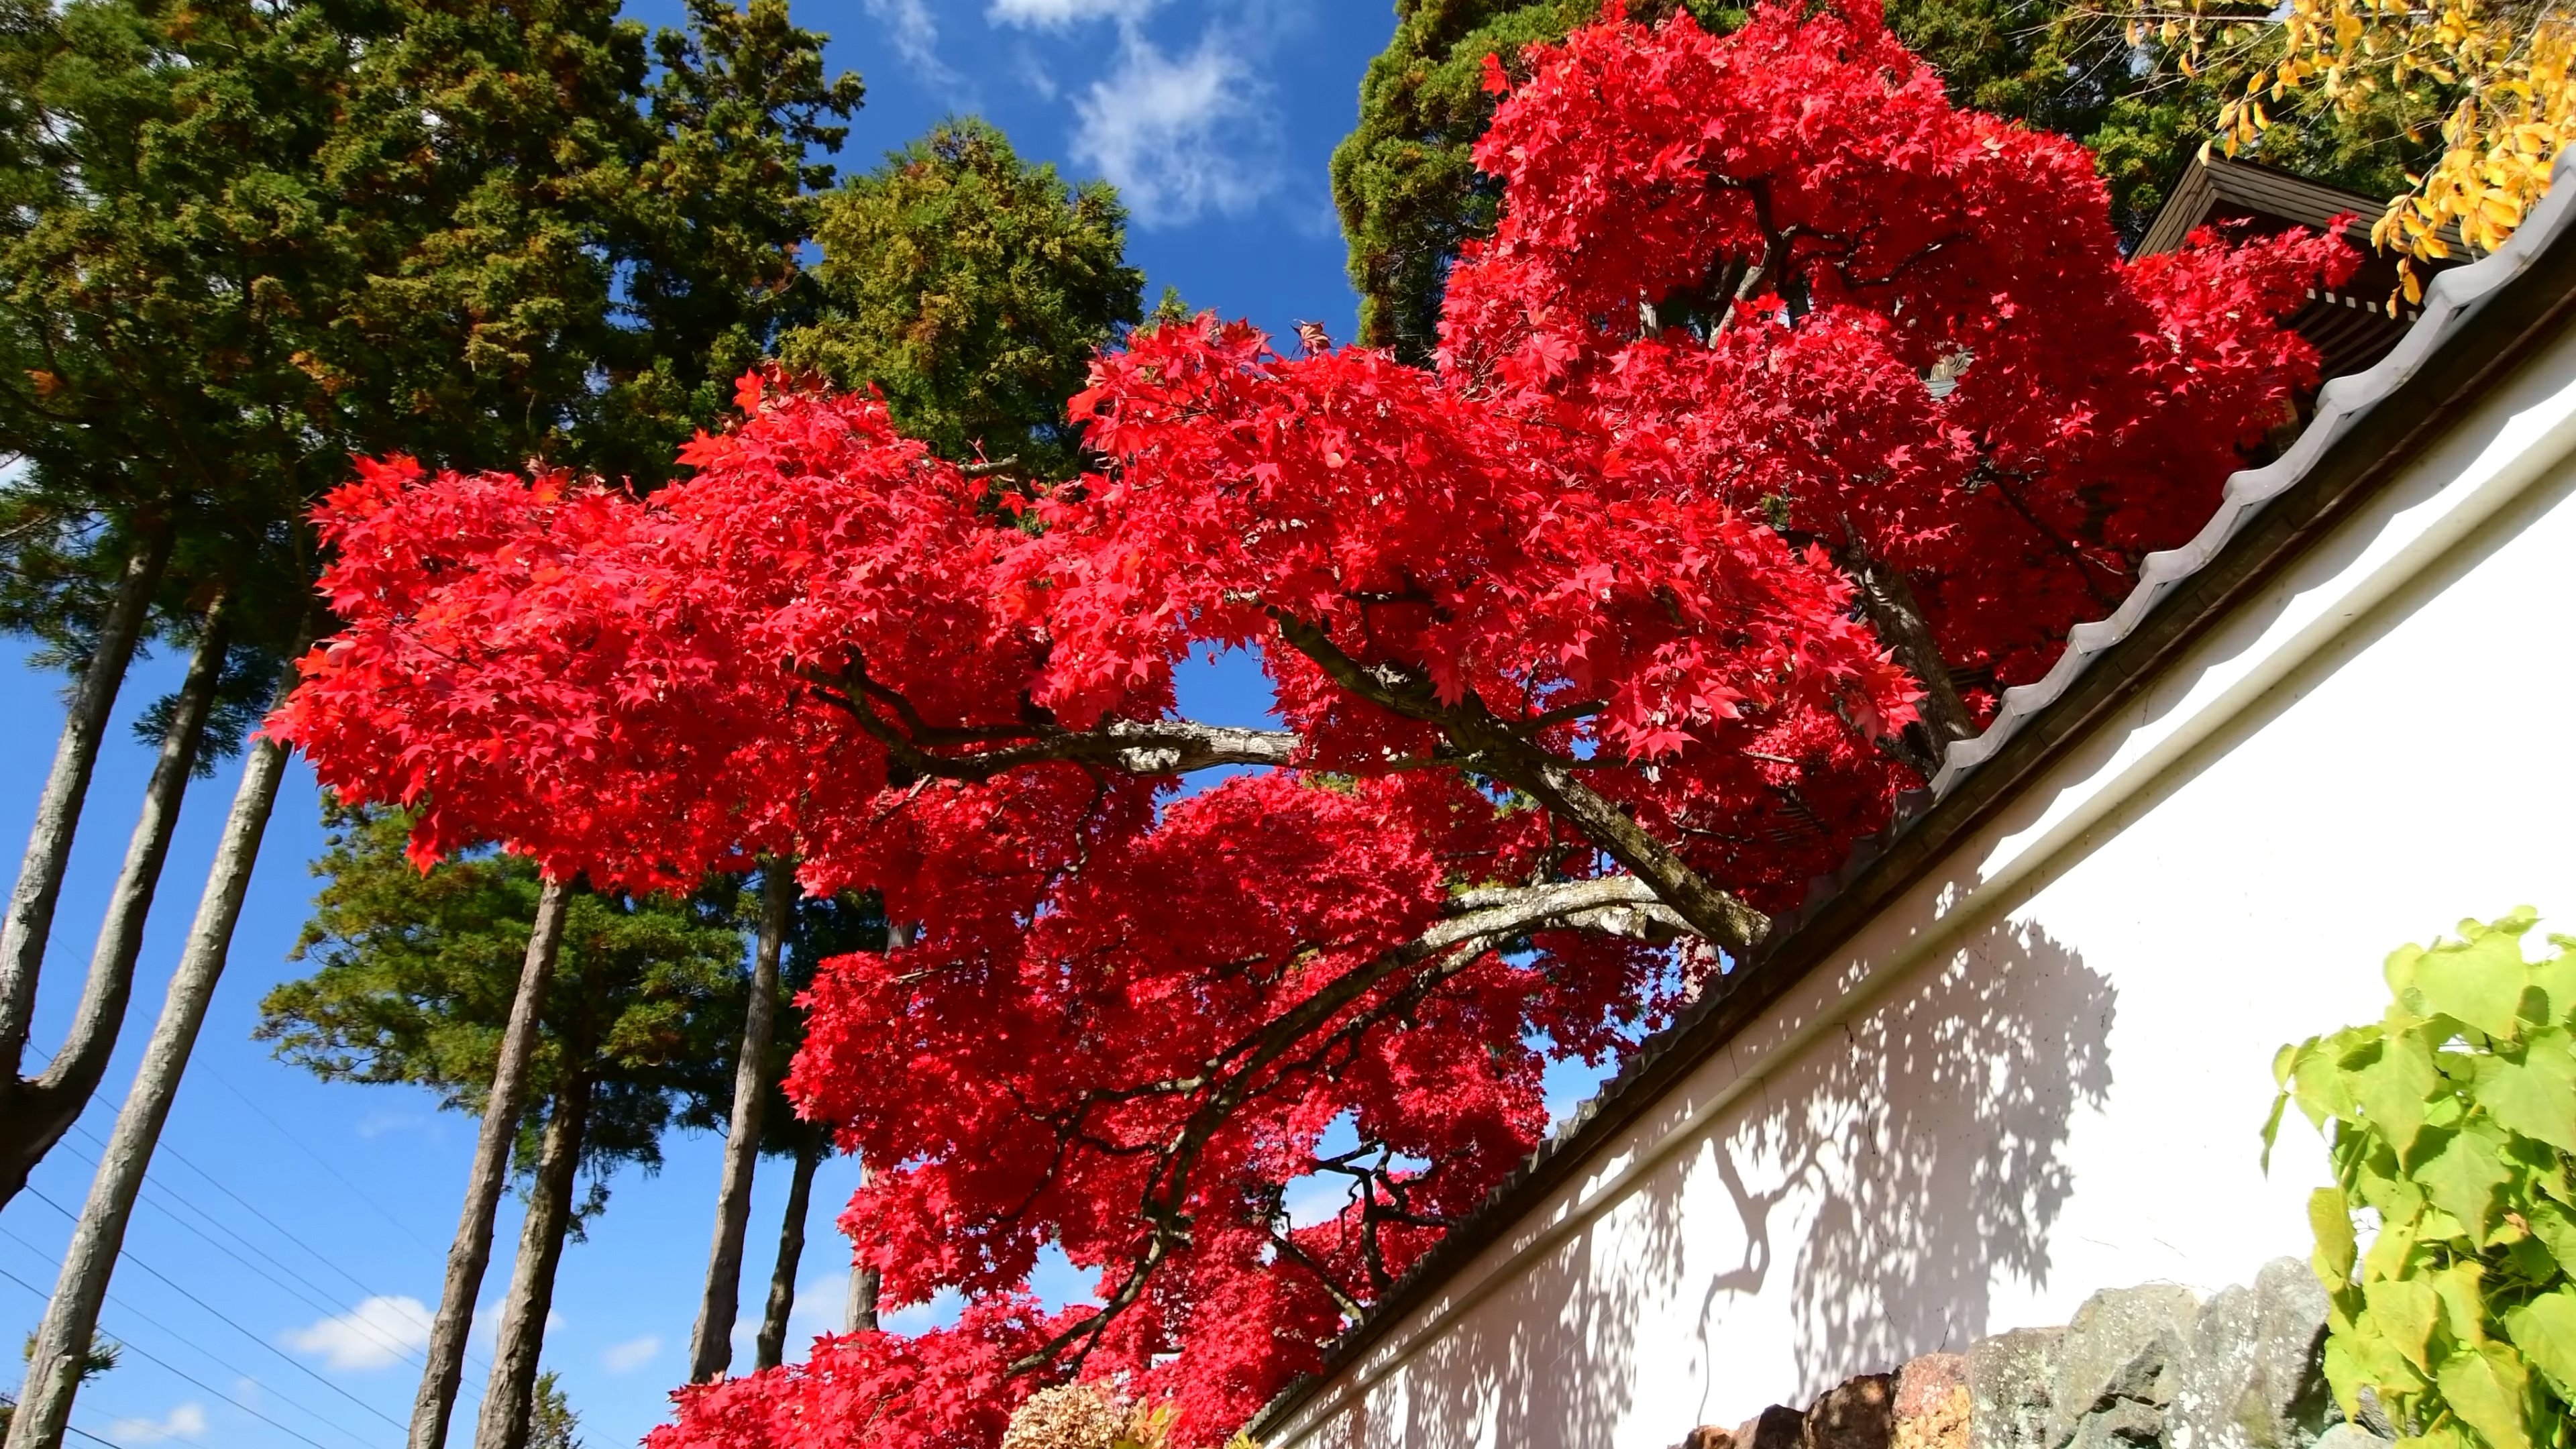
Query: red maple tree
{"points": [[1789, 415]]}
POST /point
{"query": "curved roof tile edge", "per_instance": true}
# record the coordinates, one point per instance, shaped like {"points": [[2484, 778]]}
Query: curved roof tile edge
{"points": [[2453, 297]]}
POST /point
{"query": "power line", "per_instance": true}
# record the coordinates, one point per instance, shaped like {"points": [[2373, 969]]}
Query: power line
{"points": [[165, 1148], [162, 1199], [324, 1163], [192, 1378], [235, 1325], [129, 1310]]}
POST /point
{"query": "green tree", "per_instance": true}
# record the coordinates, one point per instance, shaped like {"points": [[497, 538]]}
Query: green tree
{"points": [[246, 238], [415, 980], [553, 1424], [972, 288]]}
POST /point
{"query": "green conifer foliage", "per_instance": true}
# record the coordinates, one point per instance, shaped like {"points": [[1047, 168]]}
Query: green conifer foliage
{"points": [[416, 972], [972, 288]]}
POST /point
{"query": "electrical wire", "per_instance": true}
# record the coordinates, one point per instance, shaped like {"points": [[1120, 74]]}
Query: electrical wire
{"points": [[324, 1163], [162, 1200], [152, 1357], [229, 1321]]}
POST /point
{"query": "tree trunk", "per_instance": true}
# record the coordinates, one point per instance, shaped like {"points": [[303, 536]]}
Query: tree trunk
{"points": [[54, 1359], [36, 1112], [511, 1395], [711, 1343], [49, 843], [861, 1314], [471, 1252], [772, 1347]]}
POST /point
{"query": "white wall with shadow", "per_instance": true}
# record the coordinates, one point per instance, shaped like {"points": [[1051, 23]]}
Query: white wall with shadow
{"points": [[2041, 1072]]}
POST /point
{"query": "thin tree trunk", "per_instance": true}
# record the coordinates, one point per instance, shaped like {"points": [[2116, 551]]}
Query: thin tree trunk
{"points": [[711, 1343], [772, 1348], [54, 1359], [36, 1112], [511, 1395], [861, 1313], [471, 1252], [49, 843]]}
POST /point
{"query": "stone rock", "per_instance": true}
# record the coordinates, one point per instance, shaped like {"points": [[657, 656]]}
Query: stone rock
{"points": [[1858, 1413], [1708, 1436], [2127, 1346], [1932, 1402], [1773, 1428], [2123, 1424], [2350, 1436], [2011, 1378], [2254, 1379]]}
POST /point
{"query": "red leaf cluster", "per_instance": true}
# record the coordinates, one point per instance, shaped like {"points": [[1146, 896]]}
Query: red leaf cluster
{"points": [[1788, 416]]}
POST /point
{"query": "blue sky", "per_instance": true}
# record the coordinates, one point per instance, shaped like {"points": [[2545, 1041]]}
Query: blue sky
{"points": [[290, 1229]]}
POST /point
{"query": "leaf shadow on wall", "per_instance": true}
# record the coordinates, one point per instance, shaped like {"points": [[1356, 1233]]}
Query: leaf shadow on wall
{"points": [[1907, 1160]]}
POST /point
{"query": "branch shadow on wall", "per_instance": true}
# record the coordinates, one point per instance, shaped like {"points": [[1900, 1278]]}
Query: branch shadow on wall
{"points": [[1901, 1166]]}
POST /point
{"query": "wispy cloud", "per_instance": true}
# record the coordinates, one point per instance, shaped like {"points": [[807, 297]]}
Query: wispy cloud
{"points": [[1057, 14], [1179, 136], [632, 1354], [914, 33], [373, 1335], [184, 1422]]}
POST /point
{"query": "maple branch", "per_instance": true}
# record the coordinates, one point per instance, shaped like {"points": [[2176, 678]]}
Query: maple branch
{"points": [[1138, 747], [1897, 618], [1483, 921], [1490, 745]]}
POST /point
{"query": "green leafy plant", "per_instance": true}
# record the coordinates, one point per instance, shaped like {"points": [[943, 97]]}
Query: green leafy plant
{"points": [[2454, 1121]]}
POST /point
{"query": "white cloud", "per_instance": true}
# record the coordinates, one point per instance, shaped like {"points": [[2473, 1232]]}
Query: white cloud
{"points": [[1057, 14], [632, 1354], [377, 1124], [1179, 136], [939, 1312], [910, 28], [184, 1422], [373, 1335]]}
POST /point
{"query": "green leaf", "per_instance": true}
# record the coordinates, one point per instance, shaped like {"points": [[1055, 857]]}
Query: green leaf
{"points": [[2331, 1218], [2400, 970], [2394, 1089], [2272, 1127], [2389, 1251], [2556, 1227], [2536, 1096], [2463, 1175], [2478, 979], [2545, 1331], [2486, 1387], [2461, 1287], [2555, 979], [2404, 1310]]}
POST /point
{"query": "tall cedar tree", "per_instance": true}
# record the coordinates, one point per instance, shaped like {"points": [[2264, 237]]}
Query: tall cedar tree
{"points": [[415, 975], [1409, 191], [253, 239], [971, 288], [1593, 646], [250, 239]]}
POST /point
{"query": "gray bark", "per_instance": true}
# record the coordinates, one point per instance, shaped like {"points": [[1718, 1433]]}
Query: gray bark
{"points": [[49, 842], [36, 1112], [511, 1395], [860, 1312], [772, 1344], [54, 1360], [471, 1252], [711, 1344], [860, 1315]]}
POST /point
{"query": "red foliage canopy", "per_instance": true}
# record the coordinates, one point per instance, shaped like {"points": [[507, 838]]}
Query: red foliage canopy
{"points": [[1788, 416]]}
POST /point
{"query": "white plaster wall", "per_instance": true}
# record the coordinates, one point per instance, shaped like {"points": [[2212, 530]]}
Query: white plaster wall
{"points": [[2044, 1071]]}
